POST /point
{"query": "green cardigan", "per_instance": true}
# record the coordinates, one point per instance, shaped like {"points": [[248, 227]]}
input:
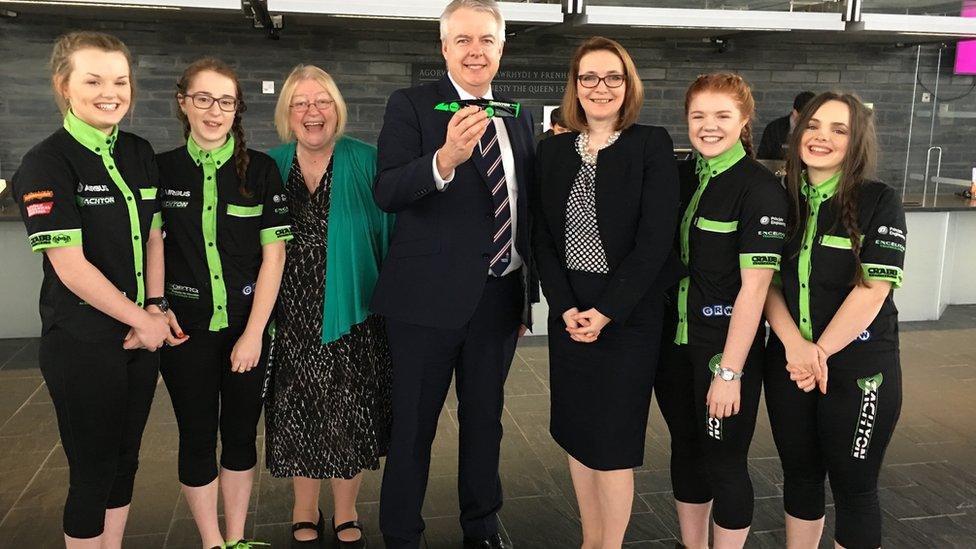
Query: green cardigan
{"points": [[358, 234]]}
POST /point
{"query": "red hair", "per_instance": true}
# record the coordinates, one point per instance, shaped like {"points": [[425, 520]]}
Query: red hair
{"points": [[735, 87]]}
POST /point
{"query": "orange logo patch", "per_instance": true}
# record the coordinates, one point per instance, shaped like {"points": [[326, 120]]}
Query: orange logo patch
{"points": [[38, 195]]}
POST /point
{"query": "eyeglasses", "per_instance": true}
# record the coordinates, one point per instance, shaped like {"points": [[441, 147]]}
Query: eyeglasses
{"points": [[592, 80], [320, 104], [226, 103]]}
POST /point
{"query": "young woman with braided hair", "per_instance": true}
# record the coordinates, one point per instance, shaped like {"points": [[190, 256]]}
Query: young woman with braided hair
{"points": [[834, 312], [226, 220], [710, 373]]}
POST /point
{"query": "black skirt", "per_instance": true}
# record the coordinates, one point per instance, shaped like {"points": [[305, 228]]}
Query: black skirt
{"points": [[601, 391]]}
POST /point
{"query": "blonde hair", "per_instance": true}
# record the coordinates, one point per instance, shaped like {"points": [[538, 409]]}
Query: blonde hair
{"points": [[572, 110], [486, 6], [67, 44], [282, 109]]}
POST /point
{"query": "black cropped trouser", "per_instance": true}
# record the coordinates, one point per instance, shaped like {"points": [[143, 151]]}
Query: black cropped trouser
{"points": [[102, 395]]}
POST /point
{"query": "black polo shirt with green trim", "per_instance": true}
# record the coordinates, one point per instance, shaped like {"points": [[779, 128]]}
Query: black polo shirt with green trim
{"points": [[735, 219], [214, 231], [818, 270], [81, 187]]}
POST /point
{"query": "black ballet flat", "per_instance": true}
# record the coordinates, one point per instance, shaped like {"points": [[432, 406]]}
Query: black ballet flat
{"points": [[359, 543], [319, 527]]}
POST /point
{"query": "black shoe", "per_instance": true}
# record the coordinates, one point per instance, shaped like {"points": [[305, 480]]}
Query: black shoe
{"points": [[319, 527], [359, 543], [493, 541]]}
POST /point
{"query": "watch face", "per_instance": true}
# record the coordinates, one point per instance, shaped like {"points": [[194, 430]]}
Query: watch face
{"points": [[728, 375]]}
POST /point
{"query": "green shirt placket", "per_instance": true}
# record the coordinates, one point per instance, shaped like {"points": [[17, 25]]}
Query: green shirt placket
{"points": [[103, 145], [816, 196], [706, 170], [211, 162]]}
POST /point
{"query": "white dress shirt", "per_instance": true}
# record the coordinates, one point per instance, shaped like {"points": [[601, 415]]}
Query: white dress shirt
{"points": [[508, 164]]}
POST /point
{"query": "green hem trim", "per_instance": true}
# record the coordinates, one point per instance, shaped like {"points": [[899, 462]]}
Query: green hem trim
{"points": [[759, 261], [148, 193], [245, 211], [716, 226], [54, 239], [274, 234]]}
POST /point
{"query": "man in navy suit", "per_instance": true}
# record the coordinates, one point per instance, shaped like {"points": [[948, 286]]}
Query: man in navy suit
{"points": [[455, 288]]}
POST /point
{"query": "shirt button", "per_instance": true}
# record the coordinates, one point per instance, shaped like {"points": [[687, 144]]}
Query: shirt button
{"points": [[682, 288], [209, 177], [210, 244], [803, 320], [108, 141], [135, 237], [209, 208], [129, 198], [111, 167], [98, 149], [208, 155], [139, 274], [803, 285], [139, 303], [216, 277], [805, 247], [220, 308]]}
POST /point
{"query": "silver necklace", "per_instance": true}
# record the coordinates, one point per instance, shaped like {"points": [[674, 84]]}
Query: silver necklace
{"points": [[583, 146]]}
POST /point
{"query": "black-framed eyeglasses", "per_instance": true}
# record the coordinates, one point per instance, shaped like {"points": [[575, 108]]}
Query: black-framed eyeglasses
{"points": [[592, 80], [320, 104], [226, 103]]}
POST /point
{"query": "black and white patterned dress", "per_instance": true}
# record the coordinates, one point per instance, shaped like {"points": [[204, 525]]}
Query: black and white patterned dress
{"points": [[328, 410], [584, 250]]}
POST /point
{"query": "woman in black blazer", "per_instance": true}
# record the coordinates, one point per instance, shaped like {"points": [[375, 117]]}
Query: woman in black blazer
{"points": [[605, 210]]}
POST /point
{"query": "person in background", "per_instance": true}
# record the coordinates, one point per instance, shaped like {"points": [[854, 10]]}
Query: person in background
{"points": [[556, 125], [776, 136], [88, 197], [457, 287], [834, 312], [605, 208], [328, 408], [711, 368], [225, 252]]}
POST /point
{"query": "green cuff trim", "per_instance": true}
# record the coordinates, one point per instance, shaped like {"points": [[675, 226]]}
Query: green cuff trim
{"points": [[274, 234], [716, 226], [245, 211], [54, 239], [887, 273], [148, 193], [759, 261], [157, 221]]}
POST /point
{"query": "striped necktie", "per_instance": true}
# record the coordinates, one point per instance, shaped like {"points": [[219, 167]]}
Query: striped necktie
{"points": [[488, 158]]}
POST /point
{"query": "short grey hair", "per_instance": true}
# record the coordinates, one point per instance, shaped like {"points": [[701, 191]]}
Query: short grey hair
{"points": [[487, 6]]}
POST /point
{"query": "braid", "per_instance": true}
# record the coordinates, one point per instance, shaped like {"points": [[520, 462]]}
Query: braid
{"points": [[746, 138], [241, 159], [848, 202]]}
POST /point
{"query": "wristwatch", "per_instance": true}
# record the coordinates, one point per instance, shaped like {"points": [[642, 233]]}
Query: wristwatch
{"points": [[728, 374], [160, 302]]}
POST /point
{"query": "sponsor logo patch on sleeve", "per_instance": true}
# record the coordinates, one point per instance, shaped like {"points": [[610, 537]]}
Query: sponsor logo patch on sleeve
{"points": [[39, 208], [37, 195]]}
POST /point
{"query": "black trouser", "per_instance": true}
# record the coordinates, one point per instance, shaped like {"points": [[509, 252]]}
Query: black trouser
{"points": [[708, 456], [206, 395], [102, 395], [842, 434], [479, 354]]}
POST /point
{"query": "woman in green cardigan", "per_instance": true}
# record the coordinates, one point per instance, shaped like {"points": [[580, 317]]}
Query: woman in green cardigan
{"points": [[328, 407]]}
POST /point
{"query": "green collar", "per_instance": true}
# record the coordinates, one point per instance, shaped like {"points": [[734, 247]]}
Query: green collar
{"points": [[821, 192], [220, 155], [721, 162], [92, 138]]}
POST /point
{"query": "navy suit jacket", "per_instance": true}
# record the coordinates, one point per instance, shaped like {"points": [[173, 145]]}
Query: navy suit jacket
{"points": [[437, 265]]}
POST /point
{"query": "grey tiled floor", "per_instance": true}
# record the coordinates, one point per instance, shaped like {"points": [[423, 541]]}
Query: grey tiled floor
{"points": [[928, 487]]}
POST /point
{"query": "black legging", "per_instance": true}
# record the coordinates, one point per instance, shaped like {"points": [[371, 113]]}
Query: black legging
{"points": [[708, 456], [206, 395], [102, 395], [842, 434]]}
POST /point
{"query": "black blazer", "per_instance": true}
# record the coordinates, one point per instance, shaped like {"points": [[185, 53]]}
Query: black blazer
{"points": [[437, 265], [637, 212]]}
